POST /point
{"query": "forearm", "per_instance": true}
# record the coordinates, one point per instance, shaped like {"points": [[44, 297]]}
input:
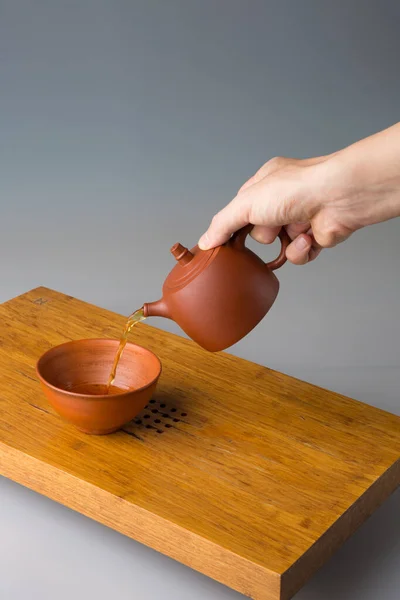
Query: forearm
{"points": [[368, 178]]}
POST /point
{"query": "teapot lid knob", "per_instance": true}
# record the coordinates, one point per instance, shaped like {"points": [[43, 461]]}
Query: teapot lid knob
{"points": [[182, 254]]}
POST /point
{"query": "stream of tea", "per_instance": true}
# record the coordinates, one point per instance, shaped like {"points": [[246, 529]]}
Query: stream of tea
{"points": [[133, 320]]}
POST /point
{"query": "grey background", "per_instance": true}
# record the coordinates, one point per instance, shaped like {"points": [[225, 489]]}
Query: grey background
{"points": [[124, 126]]}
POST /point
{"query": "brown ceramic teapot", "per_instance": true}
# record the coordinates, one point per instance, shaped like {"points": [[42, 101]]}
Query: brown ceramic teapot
{"points": [[218, 296]]}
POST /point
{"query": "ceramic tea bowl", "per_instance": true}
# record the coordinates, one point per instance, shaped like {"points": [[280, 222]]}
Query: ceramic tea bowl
{"points": [[74, 379]]}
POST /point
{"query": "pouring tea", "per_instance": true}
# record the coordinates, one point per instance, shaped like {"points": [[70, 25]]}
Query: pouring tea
{"points": [[218, 296]]}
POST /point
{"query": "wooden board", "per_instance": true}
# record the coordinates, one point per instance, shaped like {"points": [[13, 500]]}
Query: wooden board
{"points": [[255, 480]]}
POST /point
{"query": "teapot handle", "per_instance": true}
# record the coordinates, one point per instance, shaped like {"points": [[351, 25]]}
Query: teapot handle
{"points": [[238, 240]]}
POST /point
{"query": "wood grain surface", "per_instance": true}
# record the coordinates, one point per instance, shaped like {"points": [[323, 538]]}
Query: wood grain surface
{"points": [[244, 474]]}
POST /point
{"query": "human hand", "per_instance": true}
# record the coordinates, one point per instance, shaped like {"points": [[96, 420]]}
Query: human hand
{"points": [[320, 201]]}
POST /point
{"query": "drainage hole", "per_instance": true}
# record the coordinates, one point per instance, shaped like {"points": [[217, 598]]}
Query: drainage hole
{"points": [[157, 421], [183, 414], [173, 409], [148, 426], [146, 417], [160, 431], [167, 425], [154, 411], [163, 405], [152, 401], [176, 420], [165, 415], [138, 422]]}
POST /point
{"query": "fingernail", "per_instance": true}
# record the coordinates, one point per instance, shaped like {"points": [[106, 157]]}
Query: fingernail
{"points": [[301, 243], [204, 242]]}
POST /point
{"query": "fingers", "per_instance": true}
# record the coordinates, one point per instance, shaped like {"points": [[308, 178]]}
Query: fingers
{"points": [[234, 216], [280, 197], [314, 252], [295, 229], [298, 251], [264, 234], [262, 202], [303, 249]]}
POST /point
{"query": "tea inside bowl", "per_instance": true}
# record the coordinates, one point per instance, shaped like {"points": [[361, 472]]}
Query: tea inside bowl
{"points": [[96, 389], [75, 375]]}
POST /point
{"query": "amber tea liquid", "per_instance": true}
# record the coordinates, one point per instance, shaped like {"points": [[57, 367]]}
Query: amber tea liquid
{"points": [[133, 320], [96, 389]]}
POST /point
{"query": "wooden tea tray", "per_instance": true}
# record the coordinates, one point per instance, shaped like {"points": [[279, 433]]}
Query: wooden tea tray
{"points": [[255, 480]]}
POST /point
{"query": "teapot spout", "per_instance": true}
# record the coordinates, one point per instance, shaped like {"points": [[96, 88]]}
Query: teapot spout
{"points": [[156, 309]]}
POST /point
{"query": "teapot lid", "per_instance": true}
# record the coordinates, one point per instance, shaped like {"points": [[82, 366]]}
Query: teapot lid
{"points": [[190, 263]]}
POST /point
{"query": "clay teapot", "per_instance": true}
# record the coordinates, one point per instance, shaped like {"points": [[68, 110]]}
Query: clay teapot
{"points": [[218, 296]]}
